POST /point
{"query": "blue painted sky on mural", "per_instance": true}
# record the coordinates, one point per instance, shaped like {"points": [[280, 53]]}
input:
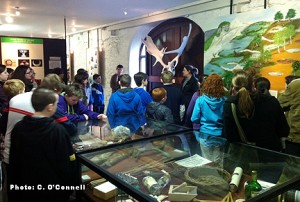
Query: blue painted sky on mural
{"points": [[255, 16]]}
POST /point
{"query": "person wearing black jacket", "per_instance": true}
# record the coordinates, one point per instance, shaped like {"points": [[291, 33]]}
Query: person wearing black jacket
{"points": [[41, 155], [260, 116], [189, 86], [114, 80], [174, 95]]}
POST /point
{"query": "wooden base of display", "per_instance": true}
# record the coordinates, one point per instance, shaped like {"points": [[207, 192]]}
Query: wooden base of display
{"points": [[227, 198]]}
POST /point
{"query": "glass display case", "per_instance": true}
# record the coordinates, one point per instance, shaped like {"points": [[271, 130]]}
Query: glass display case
{"points": [[94, 134], [175, 167]]}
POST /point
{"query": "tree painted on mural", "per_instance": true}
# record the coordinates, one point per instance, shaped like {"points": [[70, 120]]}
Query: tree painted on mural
{"points": [[278, 40], [249, 63], [286, 33], [265, 56], [278, 16], [227, 78], [285, 36], [296, 66], [290, 14], [257, 41], [291, 31]]}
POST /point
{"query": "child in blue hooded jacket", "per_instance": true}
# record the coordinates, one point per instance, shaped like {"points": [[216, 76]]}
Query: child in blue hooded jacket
{"points": [[208, 111], [141, 80], [97, 94], [125, 100]]}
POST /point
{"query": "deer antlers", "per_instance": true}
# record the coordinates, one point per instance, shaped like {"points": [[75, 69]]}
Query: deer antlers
{"points": [[153, 50], [159, 54]]}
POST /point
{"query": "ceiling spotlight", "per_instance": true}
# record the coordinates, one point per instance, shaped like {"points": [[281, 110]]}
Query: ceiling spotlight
{"points": [[17, 11], [125, 12], [73, 29], [50, 35], [9, 19]]}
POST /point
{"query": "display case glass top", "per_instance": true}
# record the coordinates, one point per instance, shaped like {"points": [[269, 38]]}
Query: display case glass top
{"points": [[178, 165], [116, 129]]}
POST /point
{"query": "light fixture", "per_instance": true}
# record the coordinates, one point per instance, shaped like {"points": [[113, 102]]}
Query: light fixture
{"points": [[18, 13], [9, 19], [125, 12], [73, 29]]}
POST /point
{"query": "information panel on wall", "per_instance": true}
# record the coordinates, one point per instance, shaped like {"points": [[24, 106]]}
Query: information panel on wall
{"points": [[92, 60], [23, 51]]}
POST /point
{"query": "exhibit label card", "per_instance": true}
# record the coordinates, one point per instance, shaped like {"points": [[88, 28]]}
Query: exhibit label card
{"points": [[193, 161]]}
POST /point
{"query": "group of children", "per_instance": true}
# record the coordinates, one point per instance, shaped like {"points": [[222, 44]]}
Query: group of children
{"points": [[137, 101], [33, 113], [92, 95], [48, 149], [41, 158]]}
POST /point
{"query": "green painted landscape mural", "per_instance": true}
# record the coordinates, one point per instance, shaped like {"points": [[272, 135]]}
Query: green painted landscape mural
{"points": [[271, 46]]}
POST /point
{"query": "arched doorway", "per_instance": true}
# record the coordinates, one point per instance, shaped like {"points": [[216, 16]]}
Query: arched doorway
{"points": [[169, 34]]}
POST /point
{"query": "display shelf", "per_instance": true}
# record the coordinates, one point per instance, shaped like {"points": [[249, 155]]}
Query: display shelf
{"points": [[209, 168], [94, 134]]}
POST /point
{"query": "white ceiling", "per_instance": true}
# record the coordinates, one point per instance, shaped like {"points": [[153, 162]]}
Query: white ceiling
{"points": [[40, 17]]}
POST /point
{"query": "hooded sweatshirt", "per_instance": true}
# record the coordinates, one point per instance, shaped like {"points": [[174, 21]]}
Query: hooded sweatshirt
{"points": [[41, 154], [208, 111], [158, 111], [125, 101], [75, 112], [145, 97], [131, 121], [265, 128]]}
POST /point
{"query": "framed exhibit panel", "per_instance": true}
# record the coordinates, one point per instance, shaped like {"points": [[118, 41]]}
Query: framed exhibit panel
{"points": [[41, 54], [23, 51], [92, 60]]}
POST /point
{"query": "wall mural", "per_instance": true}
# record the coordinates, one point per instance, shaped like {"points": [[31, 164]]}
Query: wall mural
{"points": [[268, 40]]}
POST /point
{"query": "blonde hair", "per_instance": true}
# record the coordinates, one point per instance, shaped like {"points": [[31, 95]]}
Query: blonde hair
{"points": [[53, 82], [13, 87], [242, 84], [167, 77]]}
